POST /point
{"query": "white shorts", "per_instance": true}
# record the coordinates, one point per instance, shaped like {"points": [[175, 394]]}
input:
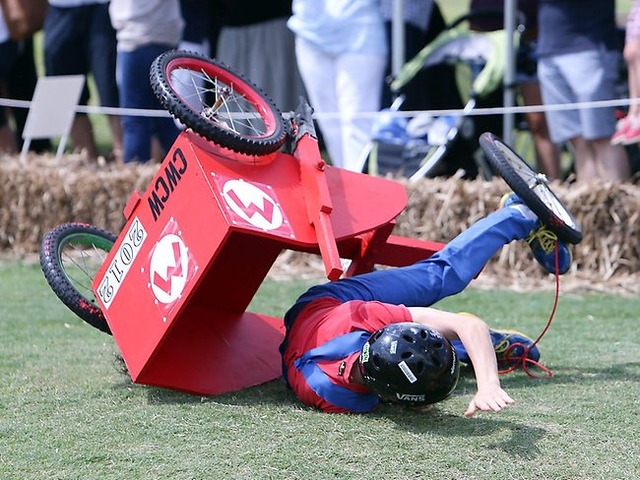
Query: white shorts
{"points": [[588, 76]]}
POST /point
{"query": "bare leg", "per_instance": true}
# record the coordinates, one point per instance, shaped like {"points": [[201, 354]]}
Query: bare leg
{"points": [[632, 57], [157, 152], [7, 140], [598, 159], [82, 136], [611, 161], [585, 160], [547, 153], [116, 135]]}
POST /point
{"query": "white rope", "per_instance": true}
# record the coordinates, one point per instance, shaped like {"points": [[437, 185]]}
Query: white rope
{"points": [[7, 102]]}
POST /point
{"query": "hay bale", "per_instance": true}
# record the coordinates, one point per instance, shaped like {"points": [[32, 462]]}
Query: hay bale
{"points": [[607, 260], [43, 194], [608, 213]]}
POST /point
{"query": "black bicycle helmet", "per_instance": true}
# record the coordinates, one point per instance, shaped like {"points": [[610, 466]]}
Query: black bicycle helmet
{"points": [[409, 363]]}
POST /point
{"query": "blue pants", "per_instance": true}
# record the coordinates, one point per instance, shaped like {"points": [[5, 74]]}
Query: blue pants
{"points": [[136, 92], [445, 273]]}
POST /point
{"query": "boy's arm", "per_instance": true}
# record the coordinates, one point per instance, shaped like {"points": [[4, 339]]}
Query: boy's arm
{"points": [[474, 334]]}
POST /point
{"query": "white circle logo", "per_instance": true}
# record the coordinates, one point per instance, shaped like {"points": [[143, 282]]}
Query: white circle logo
{"points": [[252, 204], [168, 268]]}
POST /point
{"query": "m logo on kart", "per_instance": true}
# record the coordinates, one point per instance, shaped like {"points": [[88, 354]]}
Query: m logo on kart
{"points": [[252, 204], [168, 269]]}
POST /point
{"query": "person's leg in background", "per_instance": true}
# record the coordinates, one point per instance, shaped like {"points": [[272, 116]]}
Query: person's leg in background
{"points": [[102, 58], [195, 38], [628, 128], [136, 130], [318, 74], [583, 77], [613, 160], [359, 86], [136, 92], [164, 129], [197, 25], [598, 125], [8, 55], [598, 159], [584, 158], [7, 137], [65, 53], [547, 152], [632, 57], [564, 125], [82, 136], [21, 85]]}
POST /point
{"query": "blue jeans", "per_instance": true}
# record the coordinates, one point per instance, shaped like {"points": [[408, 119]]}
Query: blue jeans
{"points": [[445, 273], [136, 92]]}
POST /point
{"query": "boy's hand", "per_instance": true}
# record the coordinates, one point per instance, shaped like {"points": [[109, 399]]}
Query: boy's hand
{"points": [[494, 399]]}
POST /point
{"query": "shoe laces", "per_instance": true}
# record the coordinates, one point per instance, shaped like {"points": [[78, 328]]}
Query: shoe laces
{"points": [[503, 345], [511, 360], [506, 351], [511, 356], [545, 238]]}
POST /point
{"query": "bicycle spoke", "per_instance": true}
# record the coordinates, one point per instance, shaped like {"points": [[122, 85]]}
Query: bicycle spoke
{"points": [[552, 202], [230, 109], [81, 264], [218, 104], [533, 188], [530, 177], [236, 107]]}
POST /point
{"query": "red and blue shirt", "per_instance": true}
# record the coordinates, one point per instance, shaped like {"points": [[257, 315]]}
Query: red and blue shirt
{"points": [[323, 320]]}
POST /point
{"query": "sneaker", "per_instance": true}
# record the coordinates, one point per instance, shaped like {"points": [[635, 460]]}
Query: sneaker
{"points": [[543, 242], [620, 135], [510, 347], [545, 246], [509, 199]]}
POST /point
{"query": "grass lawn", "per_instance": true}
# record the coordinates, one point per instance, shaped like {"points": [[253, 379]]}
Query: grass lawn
{"points": [[68, 412]]}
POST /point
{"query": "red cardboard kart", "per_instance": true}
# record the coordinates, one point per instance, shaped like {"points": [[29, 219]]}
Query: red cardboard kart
{"points": [[199, 242], [239, 186]]}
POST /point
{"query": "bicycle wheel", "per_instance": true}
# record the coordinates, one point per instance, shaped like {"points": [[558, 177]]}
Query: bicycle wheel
{"points": [[532, 188], [217, 103], [70, 256]]}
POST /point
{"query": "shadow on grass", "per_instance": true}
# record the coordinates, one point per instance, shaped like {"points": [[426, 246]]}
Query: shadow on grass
{"points": [[518, 440], [628, 371], [273, 393], [521, 440], [565, 374], [276, 391]]}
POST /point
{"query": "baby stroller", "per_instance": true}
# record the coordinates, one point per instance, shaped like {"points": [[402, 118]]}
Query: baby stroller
{"points": [[417, 145]]}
